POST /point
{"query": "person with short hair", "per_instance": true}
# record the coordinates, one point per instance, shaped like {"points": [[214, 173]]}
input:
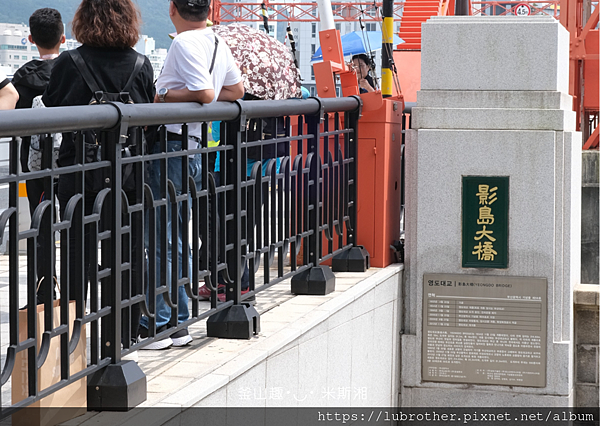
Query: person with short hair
{"points": [[199, 67], [47, 33], [8, 94], [361, 65]]}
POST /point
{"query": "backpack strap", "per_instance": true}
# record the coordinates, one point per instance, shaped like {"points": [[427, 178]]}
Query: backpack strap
{"points": [[139, 62], [89, 79], [84, 70], [212, 64]]}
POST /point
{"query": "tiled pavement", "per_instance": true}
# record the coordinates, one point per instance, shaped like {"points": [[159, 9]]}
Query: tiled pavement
{"points": [[171, 373]]}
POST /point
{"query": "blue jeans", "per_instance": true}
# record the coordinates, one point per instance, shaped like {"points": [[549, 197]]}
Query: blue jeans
{"points": [[163, 311]]}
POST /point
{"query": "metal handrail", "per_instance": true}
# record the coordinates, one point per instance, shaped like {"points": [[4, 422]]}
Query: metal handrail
{"points": [[311, 199], [26, 122]]}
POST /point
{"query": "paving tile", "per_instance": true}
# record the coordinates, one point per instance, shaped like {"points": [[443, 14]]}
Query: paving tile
{"points": [[167, 383], [277, 341], [197, 390], [245, 360], [290, 325], [152, 398], [187, 370]]}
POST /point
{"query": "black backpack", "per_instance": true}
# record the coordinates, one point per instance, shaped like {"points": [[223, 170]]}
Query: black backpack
{"points": [[95, 179]]}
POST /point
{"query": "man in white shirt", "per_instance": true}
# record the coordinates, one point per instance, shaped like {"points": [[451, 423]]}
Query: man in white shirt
{"points": [[8, 94], [199, 67]]}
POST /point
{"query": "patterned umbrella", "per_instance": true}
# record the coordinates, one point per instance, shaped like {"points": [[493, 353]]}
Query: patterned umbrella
{"points": [[267, 65]]}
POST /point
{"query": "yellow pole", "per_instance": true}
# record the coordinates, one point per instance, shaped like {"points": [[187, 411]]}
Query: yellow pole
{"points": [[388, 48]]}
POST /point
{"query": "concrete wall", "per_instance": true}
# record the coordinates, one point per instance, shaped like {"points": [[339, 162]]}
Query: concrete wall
{"points": [[590, 218], [482, 112], [350, 359], [338, 350], [587, 352]]}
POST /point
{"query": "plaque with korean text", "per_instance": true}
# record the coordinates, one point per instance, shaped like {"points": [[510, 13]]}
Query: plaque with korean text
{"points": [[485, 221], [488, 330]]}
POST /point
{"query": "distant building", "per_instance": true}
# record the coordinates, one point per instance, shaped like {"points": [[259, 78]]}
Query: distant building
{"points": [[147, 46], [16, 50], [157, 59], [6, 70]]}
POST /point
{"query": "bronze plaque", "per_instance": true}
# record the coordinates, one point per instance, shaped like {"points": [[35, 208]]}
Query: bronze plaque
{"points": [[488, 330]]}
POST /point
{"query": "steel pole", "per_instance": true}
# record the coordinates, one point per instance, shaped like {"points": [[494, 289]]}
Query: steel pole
{"points": [[387, 45], [326, 15], [461, 7]]}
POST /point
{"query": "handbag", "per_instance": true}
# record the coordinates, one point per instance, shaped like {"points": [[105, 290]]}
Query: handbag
{"points": [[74, 396]]}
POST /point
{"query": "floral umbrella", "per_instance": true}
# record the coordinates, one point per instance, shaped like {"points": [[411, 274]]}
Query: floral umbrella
{"points": [[267, 65]]}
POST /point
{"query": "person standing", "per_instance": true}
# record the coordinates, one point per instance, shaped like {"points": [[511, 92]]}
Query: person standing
{"points": [[199, 67], [108, 31], [47, 33]]}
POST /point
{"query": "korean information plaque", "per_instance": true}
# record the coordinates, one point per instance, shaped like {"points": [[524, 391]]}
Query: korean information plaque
{"points": [[487, 330]]}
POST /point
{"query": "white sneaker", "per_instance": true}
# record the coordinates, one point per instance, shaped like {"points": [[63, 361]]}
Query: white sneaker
{"points": [[181, 338], [165, 343]]}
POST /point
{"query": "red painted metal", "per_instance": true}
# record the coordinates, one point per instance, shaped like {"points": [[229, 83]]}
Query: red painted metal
{"points": [[503, 8], [583, 67], [415, 13], [300, 12], [379, 179], [580, 17]]}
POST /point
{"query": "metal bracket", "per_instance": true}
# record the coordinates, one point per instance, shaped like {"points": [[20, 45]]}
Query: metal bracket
{"points": [[360, 105], [357, 259], [236, 322], [122, 125], [118, 387], [321, 112], [318, 280]]}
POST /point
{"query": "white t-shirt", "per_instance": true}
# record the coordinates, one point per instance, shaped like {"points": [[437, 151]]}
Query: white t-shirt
{"points": [[3, 76], [187, 65]]}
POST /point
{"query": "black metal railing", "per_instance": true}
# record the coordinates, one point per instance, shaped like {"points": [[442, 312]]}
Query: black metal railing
{"points": [[298, 198]]}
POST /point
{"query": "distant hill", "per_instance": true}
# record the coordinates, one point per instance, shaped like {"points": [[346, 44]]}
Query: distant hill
{"points": [[155, 16]]}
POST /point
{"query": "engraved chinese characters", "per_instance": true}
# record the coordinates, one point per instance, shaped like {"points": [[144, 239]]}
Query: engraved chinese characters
{"points": [[485, 222]]}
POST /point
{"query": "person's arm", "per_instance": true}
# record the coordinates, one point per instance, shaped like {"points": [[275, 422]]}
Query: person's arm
{"points": [[233, 85], [232, 93], [364, 84], [190, 65], [205, 96], [8, 95]]}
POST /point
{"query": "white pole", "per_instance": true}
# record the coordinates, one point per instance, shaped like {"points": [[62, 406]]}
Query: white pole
{"points": [[326, 14]]}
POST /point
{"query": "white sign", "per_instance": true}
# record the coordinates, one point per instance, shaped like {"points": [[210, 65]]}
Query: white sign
{"points": [[522, 9]]}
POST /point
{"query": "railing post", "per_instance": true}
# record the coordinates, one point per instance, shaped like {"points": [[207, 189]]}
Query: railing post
{"points": [[121, 385], [241, 320], [357, 258], [319, 279]]}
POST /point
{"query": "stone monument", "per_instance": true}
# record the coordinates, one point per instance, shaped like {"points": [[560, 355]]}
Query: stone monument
{"points": [[493, 178]]}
